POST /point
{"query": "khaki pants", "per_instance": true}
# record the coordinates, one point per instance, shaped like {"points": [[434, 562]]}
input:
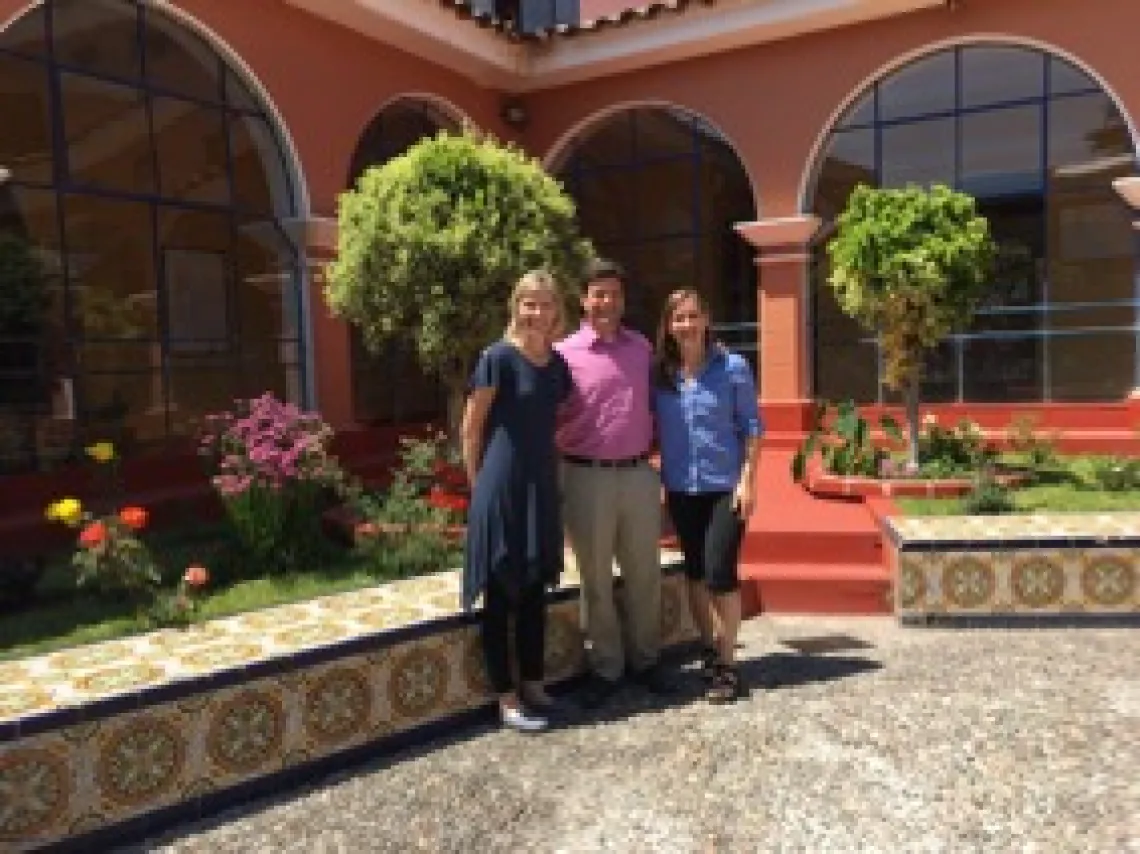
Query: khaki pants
{"points": [[616, 513]]}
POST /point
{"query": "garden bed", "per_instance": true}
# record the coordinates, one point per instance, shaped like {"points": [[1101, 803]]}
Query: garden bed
{"points": [[1041, 568]]}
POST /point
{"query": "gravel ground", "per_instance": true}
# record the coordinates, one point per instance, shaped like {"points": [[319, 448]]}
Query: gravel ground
{"points": [[877, 738]]}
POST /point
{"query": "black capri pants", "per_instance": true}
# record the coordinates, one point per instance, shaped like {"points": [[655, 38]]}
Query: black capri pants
{"points": [[710, 533]]}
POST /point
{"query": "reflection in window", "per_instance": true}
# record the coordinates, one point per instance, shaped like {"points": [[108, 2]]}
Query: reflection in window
{"points": [[390, 386], [658, 190], [1038, 144], [161, 299]]}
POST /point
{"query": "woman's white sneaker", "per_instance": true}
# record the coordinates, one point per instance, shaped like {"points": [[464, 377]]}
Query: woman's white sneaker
{"points": [[517, 717]]}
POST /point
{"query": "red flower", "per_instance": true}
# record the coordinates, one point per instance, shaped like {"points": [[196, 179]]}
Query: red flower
{"points": [[442, 499], [134, 518], [93, 535], [196, 576]]}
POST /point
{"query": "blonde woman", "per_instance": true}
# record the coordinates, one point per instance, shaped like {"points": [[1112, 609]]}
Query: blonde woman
{"points": [[514, 527]]}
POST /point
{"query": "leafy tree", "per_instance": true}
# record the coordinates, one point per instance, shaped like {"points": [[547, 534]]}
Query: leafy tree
{"points": [[432, 242], [910, 265]]}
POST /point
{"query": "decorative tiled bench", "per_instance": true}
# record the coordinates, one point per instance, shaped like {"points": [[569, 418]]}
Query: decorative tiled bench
{"points": [[111, 741], [1041, 568]]}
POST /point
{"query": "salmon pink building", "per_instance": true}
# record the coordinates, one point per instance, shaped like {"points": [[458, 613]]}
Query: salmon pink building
{"points": [[170, 168]]}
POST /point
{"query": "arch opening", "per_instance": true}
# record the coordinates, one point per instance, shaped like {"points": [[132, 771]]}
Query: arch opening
{"points": [[150, 187]]}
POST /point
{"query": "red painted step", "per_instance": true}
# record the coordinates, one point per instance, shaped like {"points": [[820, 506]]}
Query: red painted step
{"points": [[804, 554]]}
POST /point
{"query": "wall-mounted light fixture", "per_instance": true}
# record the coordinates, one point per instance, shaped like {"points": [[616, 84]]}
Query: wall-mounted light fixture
{"points": [[513, 112]]}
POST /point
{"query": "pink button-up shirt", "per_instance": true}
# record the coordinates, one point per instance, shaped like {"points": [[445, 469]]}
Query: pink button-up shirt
{"points": [[607, 414]]}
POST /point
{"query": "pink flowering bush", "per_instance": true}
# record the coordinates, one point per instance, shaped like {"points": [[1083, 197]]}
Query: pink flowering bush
{"points": [[274, 473]]}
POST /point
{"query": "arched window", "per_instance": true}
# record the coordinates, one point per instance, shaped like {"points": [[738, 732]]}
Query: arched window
{"points": [[147, 186], [1038, 143], [658, 189], [390, 386]]}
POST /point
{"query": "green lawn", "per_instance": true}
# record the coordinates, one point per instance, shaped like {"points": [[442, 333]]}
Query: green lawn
{"points": [[68, 618], [1069, 487]]}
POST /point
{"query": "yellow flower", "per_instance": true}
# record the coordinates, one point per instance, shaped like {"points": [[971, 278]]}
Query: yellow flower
{"points": [[69, 511], [101, 452]]}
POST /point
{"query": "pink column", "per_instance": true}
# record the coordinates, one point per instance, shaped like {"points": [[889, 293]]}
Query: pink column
{"points": [[783, 247]]}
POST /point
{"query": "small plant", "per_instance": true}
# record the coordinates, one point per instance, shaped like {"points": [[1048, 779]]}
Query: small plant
{"points": [[274, 472], [1116, 474], [110, 553], [417, 515], [178, 608], [1040, 451], [843, 442], [947, 451], [988, 496]]}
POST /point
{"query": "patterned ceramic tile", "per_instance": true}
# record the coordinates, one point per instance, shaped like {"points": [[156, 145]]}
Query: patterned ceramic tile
{"points": [[932, 529]]}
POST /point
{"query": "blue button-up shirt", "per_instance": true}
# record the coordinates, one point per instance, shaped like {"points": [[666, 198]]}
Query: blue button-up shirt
{"points": [[704, 424]]}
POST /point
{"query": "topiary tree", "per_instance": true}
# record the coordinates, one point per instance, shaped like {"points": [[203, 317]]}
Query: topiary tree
{"points": [[432, 242], [910, 265]]}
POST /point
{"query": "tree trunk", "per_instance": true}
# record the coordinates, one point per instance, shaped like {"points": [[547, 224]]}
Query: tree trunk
{"points": [[910, 396], [456, 398]]}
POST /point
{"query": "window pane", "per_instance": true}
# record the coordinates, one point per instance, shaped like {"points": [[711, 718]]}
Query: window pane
{"points": [[925, 87], [940, 380], [607, 210], [26, 141], [127, 409], [919, 153], [1089, 144], [664, 196], [200, 390], [862, 112], [661, 133], [27, 34], [191, 146], [608, 143], [196, 260], [659, 266], [1093, 367], [98, 36], [111, 272], [265, 286], [993, 74], [260, 182], [177, 60], [108, 140], [846, 369], [1066, 77], [1001, 152], [849, 161], [1003, 369]]}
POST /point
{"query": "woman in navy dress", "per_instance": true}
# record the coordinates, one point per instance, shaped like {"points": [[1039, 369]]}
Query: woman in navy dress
{"points": [[514, 526]]}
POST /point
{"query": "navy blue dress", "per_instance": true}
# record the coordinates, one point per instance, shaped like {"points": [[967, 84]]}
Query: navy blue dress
{"points": [[514, 521]]}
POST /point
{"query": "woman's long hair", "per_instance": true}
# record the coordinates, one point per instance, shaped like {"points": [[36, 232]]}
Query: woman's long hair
{"points": [[667, 361], [535, 282]]}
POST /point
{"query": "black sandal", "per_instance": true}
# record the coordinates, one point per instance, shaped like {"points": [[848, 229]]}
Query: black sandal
{"points": [[725, 686]]}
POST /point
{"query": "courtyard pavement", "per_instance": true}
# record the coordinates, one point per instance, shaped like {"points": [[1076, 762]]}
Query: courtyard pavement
{"points": [[875, 738]]}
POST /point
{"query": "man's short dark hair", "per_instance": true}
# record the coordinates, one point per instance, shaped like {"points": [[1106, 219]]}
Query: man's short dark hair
{"points": [[602, 268]]}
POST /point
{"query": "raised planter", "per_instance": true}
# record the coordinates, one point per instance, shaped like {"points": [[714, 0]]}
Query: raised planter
{"points": [[106, 743], [1039, 568], [827, 485]]}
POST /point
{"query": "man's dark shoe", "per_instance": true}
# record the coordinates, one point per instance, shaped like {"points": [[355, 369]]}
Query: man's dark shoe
{"points": [[597, 691], [654, 680]]}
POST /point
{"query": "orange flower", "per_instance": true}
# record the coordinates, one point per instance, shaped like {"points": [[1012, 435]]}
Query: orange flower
{"points": [[196, 576], [134, 518], [93, 535]]}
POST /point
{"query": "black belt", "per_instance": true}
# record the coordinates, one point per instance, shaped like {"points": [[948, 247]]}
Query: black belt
{"points": [[624, 463]]}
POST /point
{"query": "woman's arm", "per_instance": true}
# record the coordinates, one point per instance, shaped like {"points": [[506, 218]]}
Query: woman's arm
{"points": [[746, 413], [471, 429]]}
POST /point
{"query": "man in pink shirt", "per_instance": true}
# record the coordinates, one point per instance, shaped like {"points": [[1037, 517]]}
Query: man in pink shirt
{"points": [[611, 494]]}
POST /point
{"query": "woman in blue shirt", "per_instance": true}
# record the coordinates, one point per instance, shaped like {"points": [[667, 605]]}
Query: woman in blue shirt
{"points": [[709, 428]]}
